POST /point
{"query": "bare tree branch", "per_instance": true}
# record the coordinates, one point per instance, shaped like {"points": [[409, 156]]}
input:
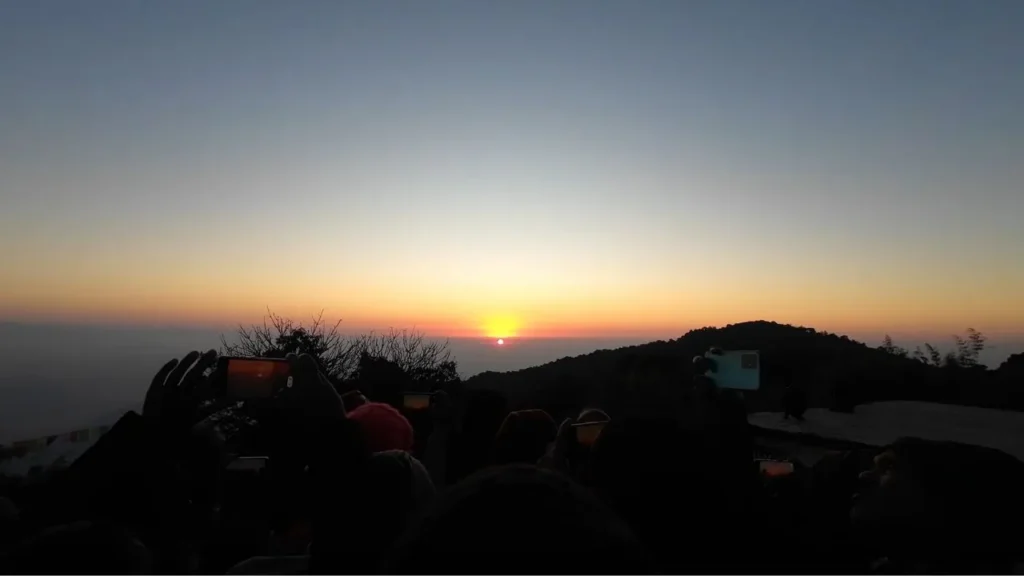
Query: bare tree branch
{"points": [[339, 355]]}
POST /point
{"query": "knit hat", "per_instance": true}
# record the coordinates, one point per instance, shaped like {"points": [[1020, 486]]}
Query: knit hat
{"points": [[524, 437], [385, 427]]}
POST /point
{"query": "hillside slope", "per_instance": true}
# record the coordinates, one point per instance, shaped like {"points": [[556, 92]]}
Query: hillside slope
{"points": [[829, 365]]}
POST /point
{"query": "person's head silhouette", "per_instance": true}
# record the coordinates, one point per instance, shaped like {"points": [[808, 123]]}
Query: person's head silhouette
{"points": [[519, 519], [384, 426], [524, 437]]}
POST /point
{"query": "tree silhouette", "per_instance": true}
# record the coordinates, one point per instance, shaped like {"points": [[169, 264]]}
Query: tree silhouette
{"points": [[341, 356], [1013, 365], [381, 365], [422, 359], [380, 379], [968, 349], [278, 336], [888, 346], [932, 356], [965, 354]]}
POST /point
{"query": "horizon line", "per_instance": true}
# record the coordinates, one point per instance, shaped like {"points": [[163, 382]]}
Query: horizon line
{"points": [[611, 335], [356, 331]]}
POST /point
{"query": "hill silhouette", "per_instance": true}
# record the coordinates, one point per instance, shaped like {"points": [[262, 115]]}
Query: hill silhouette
{"points": [[836, 371]]}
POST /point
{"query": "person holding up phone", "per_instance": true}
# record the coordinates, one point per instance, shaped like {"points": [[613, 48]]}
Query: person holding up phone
{"points": [[570, 450], [137, 474], [323, 440], [717, 409], [338, 457], [588, 426]]}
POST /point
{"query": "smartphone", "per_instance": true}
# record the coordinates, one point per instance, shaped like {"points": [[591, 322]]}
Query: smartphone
{"points": [[252, 378], [736, 369], [587, 432], [775, 468], [417, 400], [248, 464]]}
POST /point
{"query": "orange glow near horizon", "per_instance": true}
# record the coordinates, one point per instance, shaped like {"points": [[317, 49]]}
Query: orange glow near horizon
{"points": [[501, 327], [527, 306], [572, 320]]}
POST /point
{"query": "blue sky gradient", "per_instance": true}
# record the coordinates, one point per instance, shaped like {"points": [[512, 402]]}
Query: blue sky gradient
{"points": [[845, 164]]}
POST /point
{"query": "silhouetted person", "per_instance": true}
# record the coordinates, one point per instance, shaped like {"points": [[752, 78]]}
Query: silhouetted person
{"points": [[941, 507], [9, 523], [399, 486], [524, 437], [381, 380], [664, 482], [795, 402], [80, 548], [592, 415], [385, 427], [519, 519], [576, 455], [471, 447]]}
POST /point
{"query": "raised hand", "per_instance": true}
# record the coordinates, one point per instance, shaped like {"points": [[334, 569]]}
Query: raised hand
{"points": [[711, 407], [557, 456], [565, 438], [174, 394], [312, 398], [720, 416]]}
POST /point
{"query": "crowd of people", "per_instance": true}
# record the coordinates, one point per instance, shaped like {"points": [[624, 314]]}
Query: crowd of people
{"points": [[353, 485]]}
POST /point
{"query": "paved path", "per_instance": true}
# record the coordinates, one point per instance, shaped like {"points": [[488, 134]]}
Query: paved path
{"points": [[881, 423]]}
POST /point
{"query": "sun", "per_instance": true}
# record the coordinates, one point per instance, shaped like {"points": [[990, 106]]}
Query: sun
{"points": [[501, 327], [501, 341]]}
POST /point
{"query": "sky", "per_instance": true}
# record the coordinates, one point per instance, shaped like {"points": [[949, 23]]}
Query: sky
{"points": [[548, 168]]}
